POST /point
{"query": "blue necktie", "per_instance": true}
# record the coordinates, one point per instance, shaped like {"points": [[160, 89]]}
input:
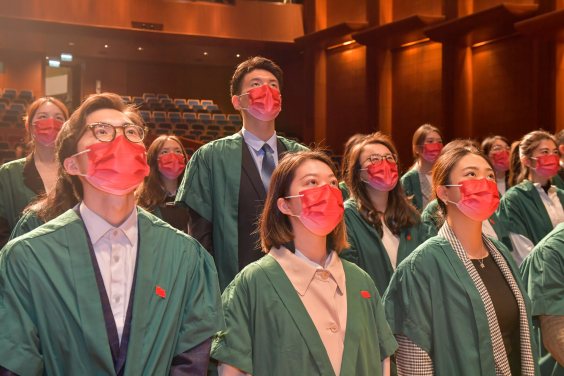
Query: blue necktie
{"points": [[267, 166]]}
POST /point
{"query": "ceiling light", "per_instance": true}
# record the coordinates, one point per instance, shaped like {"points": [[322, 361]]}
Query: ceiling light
{"points": [[342, 44], [71, 44], [47, 57], [238, 55], [66, 57], [205, 53], [54, 63], [415, 42], [106, 46], [140, 48]]}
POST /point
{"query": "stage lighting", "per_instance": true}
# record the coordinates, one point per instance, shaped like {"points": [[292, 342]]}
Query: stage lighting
{"points": [[66, 57], [54, 63]]}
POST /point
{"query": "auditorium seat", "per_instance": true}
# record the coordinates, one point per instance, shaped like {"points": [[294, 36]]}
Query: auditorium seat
{"points": [[26, 94], [234, 117], [9, 93], [174, 117], [162, 131], [5, 124], [181, 126], [228, 133], [165, 125], [152, 100], [178, 132], [21, 101], [146, 115], [211, 107], [220, 119], [184, 108], [189, 117], [165, 100], [138, 100], [198, 107], [126, 99], [7, 154], [199, 127], [205, 118], [162, 96], [178, 102], [159, 116], [17, 107], [150, 125], [190, 137], [195, 133], [205, 139], [3, 107], [206, 102], [189, 151], [193, 102], [4, 146], [6, 101], [10, 118], [230, 128], [213, 127], [147, 96]]}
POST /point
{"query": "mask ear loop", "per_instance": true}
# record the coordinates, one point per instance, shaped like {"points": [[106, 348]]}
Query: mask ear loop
{"points": [[451, 185], [81, 152], [294, 215], [246, 109]]}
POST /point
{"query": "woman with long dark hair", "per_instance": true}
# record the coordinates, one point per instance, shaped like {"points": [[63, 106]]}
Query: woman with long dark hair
{"points": [[457, 305], [167, 159], [533, 206], [427, 145], [301, 310], [22, 180], [382, 226], [106, 282]]}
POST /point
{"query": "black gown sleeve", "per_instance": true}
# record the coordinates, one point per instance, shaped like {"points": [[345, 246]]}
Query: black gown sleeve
{"points": [[193, 362], [200, 229]]}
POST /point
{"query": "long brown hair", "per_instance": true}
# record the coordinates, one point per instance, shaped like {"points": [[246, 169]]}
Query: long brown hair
{"points": [[351, 142], [68, 188], [151, 193], [419, 138], [31, 110], [448, 159], [528, 143], [399, 212], [274, 226]]}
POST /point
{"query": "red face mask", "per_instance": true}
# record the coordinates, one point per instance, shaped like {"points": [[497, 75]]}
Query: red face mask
{"points": [[431, 151], [322, 209], [46, 131], [479, 198], [116, 167], [171, 165], [501, 160], [383, 177], [547, 165], [265, 102]]}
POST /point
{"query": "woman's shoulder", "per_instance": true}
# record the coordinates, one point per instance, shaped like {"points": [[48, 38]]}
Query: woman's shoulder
{"points": [[428, 253], [411, 174], [12, 166], [517, 191]]}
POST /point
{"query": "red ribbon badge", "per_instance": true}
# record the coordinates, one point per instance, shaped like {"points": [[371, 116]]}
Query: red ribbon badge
{"points": [[408, 237], [160, 292], [492, 221], [365, 294]]}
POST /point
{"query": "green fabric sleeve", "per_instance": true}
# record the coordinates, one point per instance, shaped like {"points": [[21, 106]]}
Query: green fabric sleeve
{"points": [[351, 253], [234, 345], [386, 338], [511, 216], [408, 305], [429, 222], [27, 223], [344, 190], [203, 314], [20, 348], [196, 188], [543, 275]]}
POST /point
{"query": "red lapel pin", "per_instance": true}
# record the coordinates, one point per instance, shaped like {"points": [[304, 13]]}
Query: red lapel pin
{"points": [[492, 221], [160, 292], [408, 237], [365, 294]]}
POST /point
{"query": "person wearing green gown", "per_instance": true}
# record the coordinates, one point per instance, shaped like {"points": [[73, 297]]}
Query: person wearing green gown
{"points": [[105, 288], [22, 180], [301, 309], [457, 304], [543, 275], [351, 142], [382, 226], [226, 180], [498, 150], [167, 159], [533, 207], [558, 179], [427, 144]]}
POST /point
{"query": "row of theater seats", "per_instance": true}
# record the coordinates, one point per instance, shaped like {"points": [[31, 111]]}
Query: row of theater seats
{"points": [[13, 106]]}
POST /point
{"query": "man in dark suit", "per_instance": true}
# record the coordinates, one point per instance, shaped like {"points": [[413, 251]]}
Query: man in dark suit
{"points": [[226, 180]]}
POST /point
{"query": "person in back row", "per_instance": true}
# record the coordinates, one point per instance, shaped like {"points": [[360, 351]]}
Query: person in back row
{"points": [[105, 288], [382, 226], [558, 179], [301, 310], [351, 142], [533, 207], [457, 304], [167, 159], [498, 149], [21, 181], [226, 181], [427, 145]]}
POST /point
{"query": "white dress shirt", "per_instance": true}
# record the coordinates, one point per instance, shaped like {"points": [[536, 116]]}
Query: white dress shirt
{"points": [[116, 252], [523, 246], [255, 147], [391, 243]]}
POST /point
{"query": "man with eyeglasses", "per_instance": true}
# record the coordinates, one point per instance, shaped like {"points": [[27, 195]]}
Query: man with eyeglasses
{"points": [[104, 287]]}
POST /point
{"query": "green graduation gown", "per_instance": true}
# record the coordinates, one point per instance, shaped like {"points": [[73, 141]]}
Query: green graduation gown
{"points": [[522, 211], [430, 224], [28, 222], [15, 195], [344, 190], [51, 319], [367, 250], [269, 331], [543, 274], [211, 188], [412, 188], [433, 301], [557, 181]]}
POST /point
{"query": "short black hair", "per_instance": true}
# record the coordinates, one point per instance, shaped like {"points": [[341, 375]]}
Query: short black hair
{"points": [[249, 65]]}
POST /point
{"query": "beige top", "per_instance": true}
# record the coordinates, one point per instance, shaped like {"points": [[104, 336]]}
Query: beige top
{"points": [[324, 295]]}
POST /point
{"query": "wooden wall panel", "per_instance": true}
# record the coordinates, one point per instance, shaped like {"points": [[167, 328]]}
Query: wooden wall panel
{"points": [[416, 93], [346, 99], [480, 5], [246, 20], [559, 87], [405, 8], [503, 89], [23, 71], [339, 11]]}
